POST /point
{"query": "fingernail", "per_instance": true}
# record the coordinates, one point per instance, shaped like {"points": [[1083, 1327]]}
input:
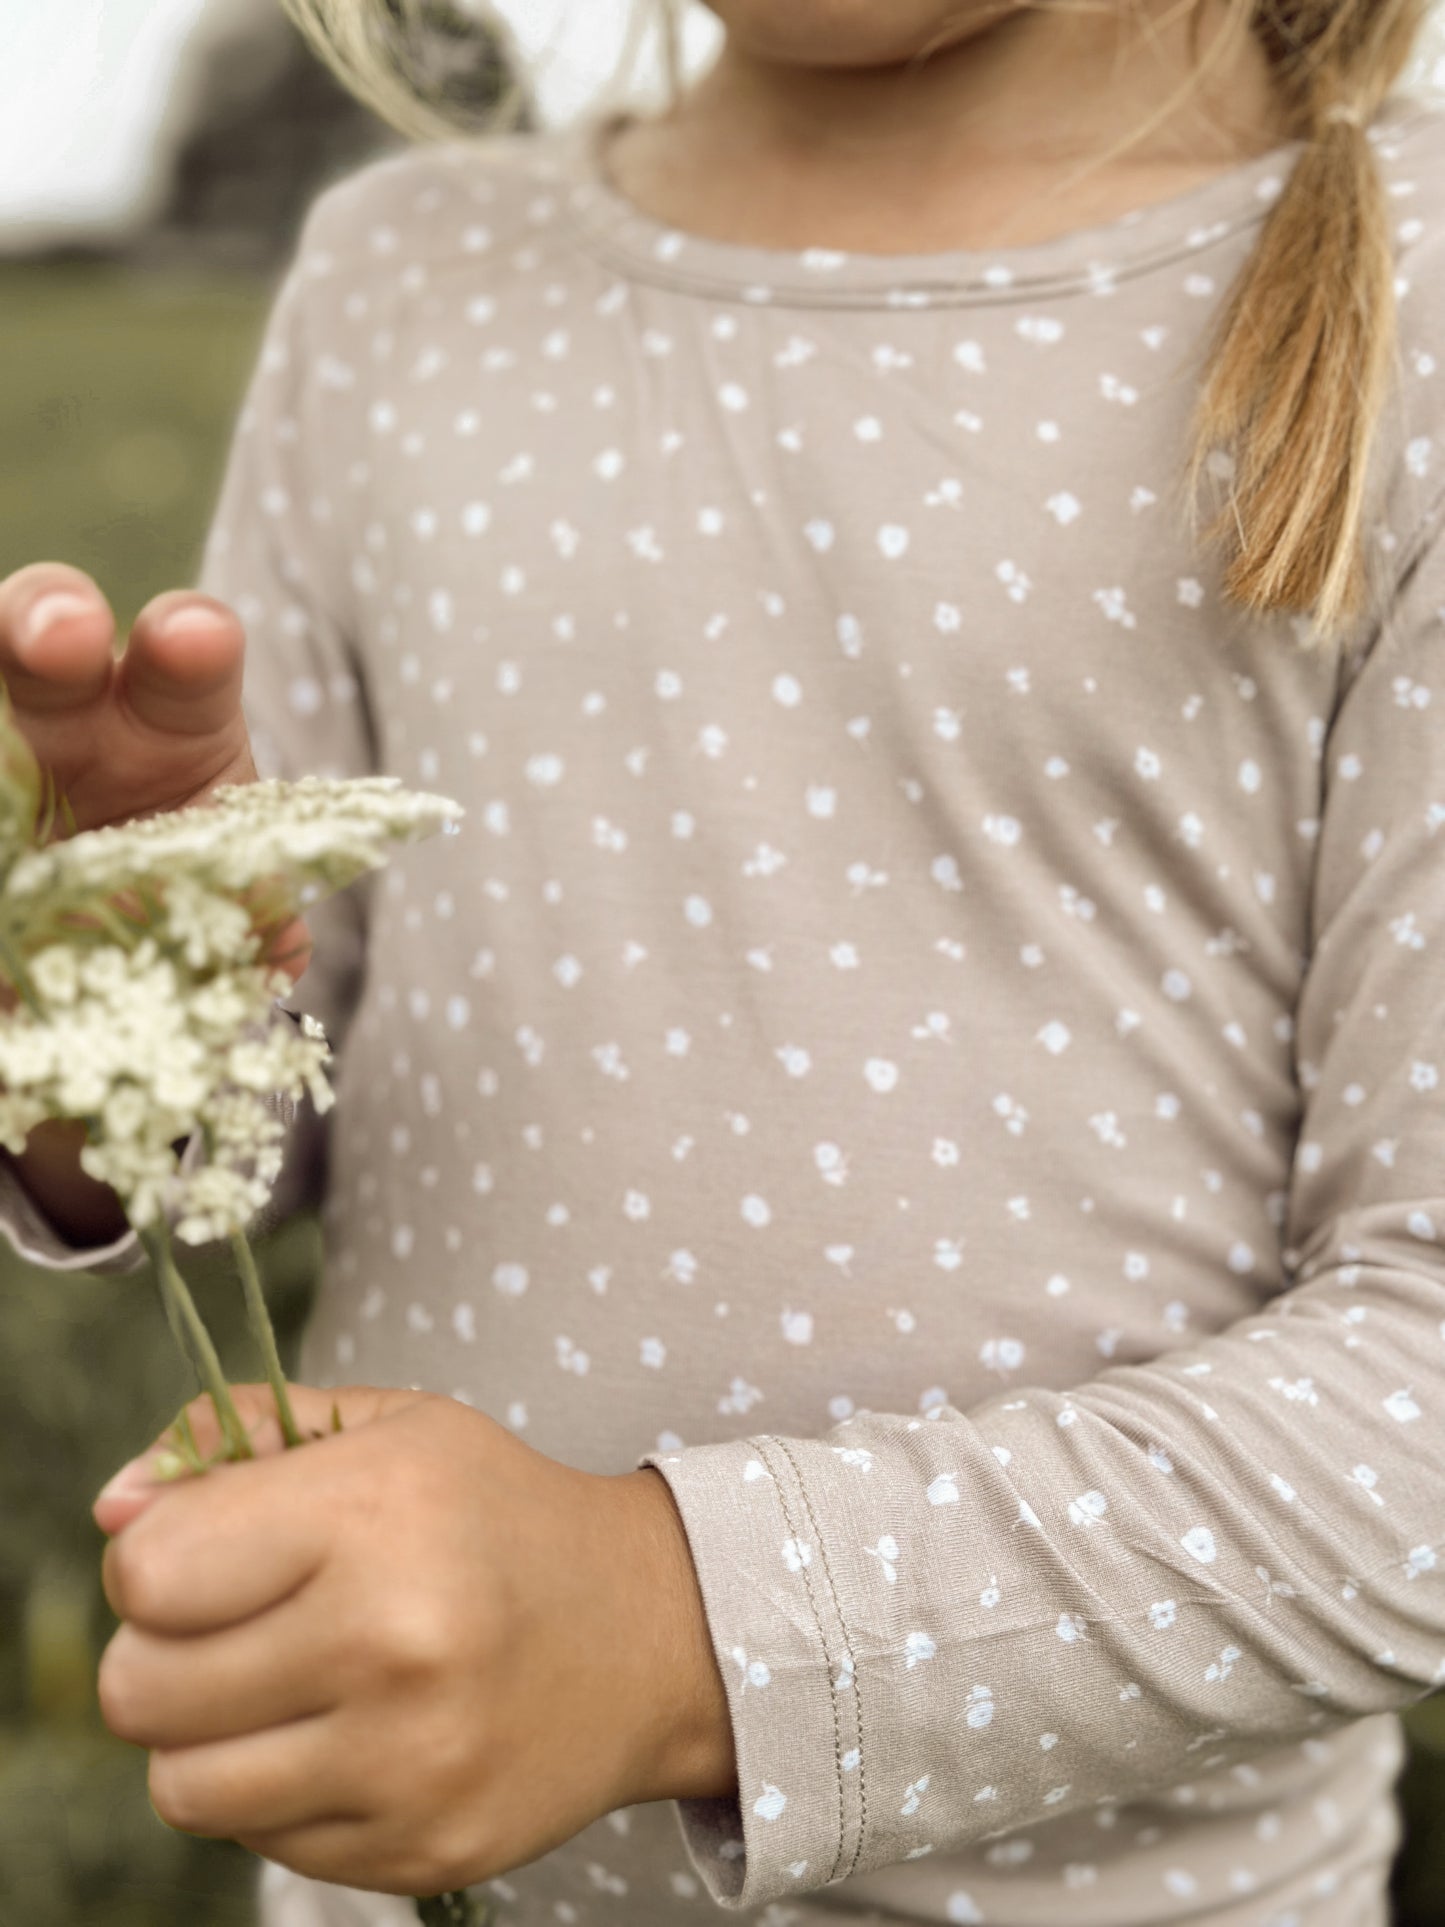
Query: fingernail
{"points": [[137, 1477], [50, 609], [189, 621]]}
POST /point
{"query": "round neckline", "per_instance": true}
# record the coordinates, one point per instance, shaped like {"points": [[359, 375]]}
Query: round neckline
{"points": [[1085, 260]]}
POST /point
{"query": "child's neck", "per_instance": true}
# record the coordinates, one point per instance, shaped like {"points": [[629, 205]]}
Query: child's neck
{"points": [[975, 147]]}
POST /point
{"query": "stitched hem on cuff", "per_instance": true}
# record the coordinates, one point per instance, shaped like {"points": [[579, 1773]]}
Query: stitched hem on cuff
{"points": [[795, 1824], [34, 1238]]}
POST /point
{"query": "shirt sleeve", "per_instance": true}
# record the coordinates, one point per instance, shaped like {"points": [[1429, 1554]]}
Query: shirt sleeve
{"points": [[32, 1236], [268, 556], [938, 1629]]}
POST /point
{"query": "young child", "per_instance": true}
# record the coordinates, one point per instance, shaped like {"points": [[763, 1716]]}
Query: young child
{"points": [[904, 1142]]}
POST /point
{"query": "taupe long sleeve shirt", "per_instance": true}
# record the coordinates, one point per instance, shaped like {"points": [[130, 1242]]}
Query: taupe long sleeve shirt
{"points": [[931, 1035]]}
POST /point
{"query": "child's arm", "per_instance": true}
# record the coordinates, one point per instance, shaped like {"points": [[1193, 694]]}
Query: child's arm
{"points": [[1098, 1594], [267, 561]]}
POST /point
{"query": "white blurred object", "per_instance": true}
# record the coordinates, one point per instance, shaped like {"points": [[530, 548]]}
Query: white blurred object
{"points": [[92, 93], [573, 50], [85, 86], [1426, 73], [286, 1900], [1428, 70]]}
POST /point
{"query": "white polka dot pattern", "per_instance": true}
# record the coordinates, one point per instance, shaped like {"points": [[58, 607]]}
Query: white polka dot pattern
{"points": [[931, 1035]]}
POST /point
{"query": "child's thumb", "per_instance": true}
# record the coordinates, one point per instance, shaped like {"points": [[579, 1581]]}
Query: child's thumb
{"points": [[184, 1451], [138, 1484], [130, 1493]]}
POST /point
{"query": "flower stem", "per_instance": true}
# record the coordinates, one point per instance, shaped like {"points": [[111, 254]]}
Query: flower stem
{"points": [[265, 1336], [15, 970], [454, 1910], [181, 1308]]}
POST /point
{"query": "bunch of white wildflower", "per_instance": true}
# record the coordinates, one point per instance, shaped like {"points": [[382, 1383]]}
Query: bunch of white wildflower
{"points": [[149, 1056], [317, 835], [147, 1008]]}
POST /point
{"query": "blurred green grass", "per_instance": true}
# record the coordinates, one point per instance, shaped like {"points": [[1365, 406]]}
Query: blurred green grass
{"points": [[118, 393], [89, 1375]]}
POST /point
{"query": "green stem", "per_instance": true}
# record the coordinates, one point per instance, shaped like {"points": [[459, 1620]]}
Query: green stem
{"points": [[181, 1308], [265, 1336], [45, 813], [109, 919], [453, 1910], [18, 975]]}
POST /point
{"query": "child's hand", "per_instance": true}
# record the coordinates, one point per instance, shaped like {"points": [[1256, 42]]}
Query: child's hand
{"points": [[158, 729], [411, 1655]]}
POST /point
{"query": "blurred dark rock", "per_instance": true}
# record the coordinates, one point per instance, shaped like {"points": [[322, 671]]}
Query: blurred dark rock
{"points": [[256, 127]]}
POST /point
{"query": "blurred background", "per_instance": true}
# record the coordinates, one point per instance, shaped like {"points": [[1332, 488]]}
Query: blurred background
{"points": [[156, 158]]}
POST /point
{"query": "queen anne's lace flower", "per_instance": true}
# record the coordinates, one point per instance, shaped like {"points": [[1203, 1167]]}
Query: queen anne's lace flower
{"points": [[55, 973], [212, 929], [317, 836], [146, 1009]]}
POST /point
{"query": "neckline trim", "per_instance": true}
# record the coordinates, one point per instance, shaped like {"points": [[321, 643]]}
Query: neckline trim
{"points": [[1090, 260]]}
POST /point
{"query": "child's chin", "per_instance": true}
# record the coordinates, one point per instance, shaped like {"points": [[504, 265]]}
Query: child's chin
{"points": [[845, 33]]}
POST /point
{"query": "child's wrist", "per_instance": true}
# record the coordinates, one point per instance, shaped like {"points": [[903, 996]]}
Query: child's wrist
{"points": [[685, 1739]]}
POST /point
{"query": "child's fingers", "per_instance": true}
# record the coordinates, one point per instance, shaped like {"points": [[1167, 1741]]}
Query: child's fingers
{"points": [[162, 1466], [113, 1511], [186, 1692], [153, 1472], [339, 1850], [211, 1552], [57, 637], [198, 1424], [182, 669], [290, 949], [274, 1783]]}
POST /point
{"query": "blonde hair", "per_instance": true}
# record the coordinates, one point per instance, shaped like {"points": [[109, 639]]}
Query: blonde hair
{"points": [[377, 49], [1299, 367], [1301, 361]]}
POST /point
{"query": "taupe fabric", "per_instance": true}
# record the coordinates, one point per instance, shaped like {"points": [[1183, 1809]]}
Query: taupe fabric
{"points": [[930, 1035]]}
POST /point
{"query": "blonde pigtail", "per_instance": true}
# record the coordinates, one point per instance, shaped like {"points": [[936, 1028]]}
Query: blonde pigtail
{"points": [[1299, 367], [1303, 356]]}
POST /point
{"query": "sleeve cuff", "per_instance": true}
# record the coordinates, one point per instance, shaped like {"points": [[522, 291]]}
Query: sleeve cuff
{"points": [[34, 1238], [796, 1823]]}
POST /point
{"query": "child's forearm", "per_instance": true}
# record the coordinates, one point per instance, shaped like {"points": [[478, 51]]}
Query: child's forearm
{"points": [[84, 1212]]}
